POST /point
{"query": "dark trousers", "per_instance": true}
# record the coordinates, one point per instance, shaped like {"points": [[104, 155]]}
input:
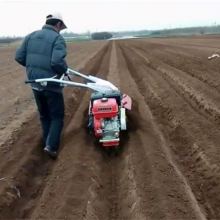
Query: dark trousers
{"points": [[51, 111]]}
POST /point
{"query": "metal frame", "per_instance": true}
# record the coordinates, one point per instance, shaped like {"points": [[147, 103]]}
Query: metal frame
{"points": [[95, 84]]}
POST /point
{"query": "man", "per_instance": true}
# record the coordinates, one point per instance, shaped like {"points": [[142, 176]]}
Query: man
{"points": [[43, 54]]}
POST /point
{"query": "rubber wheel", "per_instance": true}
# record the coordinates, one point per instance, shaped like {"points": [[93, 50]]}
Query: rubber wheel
{"points": [[108, 150], [117, 150]]}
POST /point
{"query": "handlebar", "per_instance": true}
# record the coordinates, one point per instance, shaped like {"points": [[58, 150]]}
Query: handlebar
{"points": [[102, 85], [55, 77], [29, 81]]}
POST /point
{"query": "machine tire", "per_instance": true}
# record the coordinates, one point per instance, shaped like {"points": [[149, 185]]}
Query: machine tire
{"points": [[108, 151], [113, 151], [117, 150]]}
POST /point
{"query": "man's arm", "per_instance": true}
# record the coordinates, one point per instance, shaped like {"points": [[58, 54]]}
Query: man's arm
{"points": [[20, 55], [59, 53]]}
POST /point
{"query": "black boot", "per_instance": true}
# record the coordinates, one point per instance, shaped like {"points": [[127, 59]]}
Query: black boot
{"points": [[52, 153]]}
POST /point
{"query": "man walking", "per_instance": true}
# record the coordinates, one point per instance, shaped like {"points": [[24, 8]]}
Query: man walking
{"points": [[43, 54]]}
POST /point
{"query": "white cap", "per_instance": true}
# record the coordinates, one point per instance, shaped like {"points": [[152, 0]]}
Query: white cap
{"points": [[57, 15]]}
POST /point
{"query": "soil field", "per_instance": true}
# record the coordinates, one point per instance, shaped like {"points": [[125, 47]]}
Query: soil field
{"points": [[170, 164]]}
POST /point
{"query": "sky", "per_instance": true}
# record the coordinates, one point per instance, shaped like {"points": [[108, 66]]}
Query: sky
{"points": [[19, 18]]}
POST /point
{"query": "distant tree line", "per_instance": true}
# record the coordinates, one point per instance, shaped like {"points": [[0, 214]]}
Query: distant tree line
{"points": [[101, 35], [9, 40], [130, 33], [188, 31], [69, 34]]}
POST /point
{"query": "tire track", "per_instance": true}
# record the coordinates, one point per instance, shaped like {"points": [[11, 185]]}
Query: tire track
{"points": [[113, 192], [195, 151], [161, 198]]}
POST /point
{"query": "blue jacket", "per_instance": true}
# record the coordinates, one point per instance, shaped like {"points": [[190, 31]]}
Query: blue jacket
{"points": [[43, 54]]}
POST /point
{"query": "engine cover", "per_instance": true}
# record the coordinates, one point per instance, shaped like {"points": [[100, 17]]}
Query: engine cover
{"points": [[105, 108]]}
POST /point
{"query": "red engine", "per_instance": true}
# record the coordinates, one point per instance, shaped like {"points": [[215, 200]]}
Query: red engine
{"points": [[105, 112], [107, 116]]}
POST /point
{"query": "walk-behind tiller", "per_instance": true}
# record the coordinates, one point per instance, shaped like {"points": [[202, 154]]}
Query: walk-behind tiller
{"points": [[107, 108]]}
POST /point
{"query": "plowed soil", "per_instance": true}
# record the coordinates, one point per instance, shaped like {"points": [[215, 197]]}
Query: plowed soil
{"points": [[169, 166]]}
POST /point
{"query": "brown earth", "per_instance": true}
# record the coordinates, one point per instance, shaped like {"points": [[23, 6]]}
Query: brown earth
{"points": [[170, 164]]}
